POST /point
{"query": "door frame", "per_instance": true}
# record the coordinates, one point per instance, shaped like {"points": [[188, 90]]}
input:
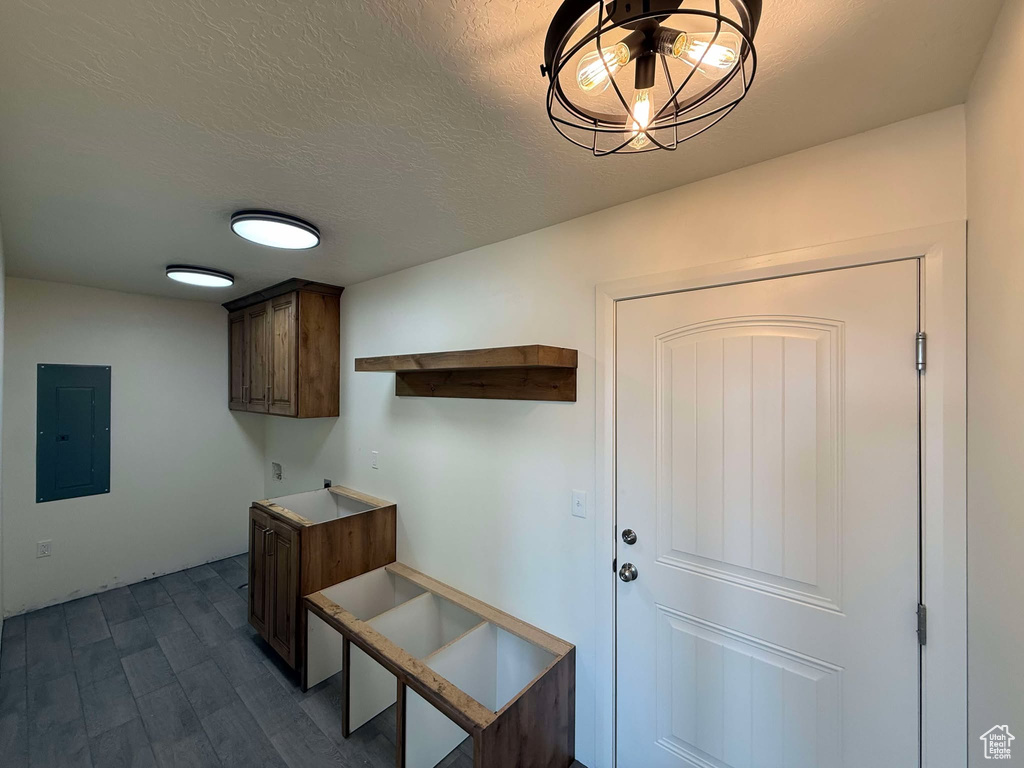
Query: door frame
{"points": [[942, 250]]}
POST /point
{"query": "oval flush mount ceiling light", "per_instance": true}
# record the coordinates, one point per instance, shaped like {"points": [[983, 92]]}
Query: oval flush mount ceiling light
{"points": [[277, 230], [638, 75], [202, 276]]}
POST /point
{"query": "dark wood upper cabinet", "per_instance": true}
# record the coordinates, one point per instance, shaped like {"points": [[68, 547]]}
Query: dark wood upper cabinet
{"points": [[284, 349]]}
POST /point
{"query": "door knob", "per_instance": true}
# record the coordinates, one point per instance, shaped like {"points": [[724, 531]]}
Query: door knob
{"points": [[629, 536], [628, 572]]}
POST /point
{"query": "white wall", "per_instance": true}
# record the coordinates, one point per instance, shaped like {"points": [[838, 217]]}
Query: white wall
{"points": [[2, 614], [483, 487], [183, 467], [995, 204]]}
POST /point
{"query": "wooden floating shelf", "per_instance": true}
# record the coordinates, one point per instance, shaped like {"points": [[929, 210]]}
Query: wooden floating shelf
{"points": [[530, 372]]}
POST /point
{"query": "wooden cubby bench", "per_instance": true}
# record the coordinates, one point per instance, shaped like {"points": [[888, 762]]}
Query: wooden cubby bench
{"points": [[455, 666]]}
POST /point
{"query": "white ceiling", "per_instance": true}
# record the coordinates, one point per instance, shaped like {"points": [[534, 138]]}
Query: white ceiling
{"points": [[408, 131]]}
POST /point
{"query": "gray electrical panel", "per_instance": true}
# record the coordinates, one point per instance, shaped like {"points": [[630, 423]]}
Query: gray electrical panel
{"points": [[72, 431]]}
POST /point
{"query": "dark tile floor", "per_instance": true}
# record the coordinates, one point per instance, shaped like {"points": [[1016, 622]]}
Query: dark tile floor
{"points": [[168, 672]]}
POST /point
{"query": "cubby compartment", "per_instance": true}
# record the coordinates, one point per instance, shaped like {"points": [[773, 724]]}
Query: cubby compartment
{"points": [[372, 594], [322, 505], [419, 627], [491, 665]]}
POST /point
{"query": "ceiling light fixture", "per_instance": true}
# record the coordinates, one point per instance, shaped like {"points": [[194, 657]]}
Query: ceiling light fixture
{"points": [[277, 230], [202, 276], [703, 50]]}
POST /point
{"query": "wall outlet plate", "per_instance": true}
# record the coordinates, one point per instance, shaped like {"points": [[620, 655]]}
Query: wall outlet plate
{"points": [[43, 548], [374, 459], [579, 504]]}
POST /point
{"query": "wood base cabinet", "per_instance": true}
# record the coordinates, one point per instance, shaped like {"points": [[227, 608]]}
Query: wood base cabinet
{"points": [[321, 537], [273, 581], [284, 345]]}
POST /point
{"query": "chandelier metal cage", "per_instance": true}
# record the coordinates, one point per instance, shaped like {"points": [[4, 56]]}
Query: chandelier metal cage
{"points": [[632, 76]]}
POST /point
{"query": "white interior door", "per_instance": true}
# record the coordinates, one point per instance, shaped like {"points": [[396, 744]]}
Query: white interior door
{"points": [[767, 461]]}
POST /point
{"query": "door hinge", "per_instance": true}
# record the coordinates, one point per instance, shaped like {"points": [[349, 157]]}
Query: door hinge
{"points": [[922, 624], [922, 343], [615, 565]]}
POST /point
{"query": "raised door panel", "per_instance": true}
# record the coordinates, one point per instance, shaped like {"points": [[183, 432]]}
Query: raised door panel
{"points": [[283, 373], [257, 347], [748, 452], [259, 539], [236, 361], [284, 590], [726, 699]]}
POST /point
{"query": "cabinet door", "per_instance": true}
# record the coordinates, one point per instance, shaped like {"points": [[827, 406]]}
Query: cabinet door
{"points": [[260, 539], [284, 590], [236, 361], [257, 348], [284, 355]]}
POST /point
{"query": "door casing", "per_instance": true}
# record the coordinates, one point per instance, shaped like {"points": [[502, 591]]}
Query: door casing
{"points": [[942, 250]]}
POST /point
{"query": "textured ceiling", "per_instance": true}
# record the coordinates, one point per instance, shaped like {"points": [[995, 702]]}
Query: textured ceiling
{"points": [[130, 129]]}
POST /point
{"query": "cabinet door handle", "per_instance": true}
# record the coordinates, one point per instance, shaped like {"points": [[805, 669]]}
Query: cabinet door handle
{"points": [[268, 550]]}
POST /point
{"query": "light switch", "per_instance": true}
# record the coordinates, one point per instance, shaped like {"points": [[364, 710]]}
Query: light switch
{"points": [[374, 460], [579, 503]]}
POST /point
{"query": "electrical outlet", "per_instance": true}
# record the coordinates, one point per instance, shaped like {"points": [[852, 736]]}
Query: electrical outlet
{"points": [[276, 470], [579, 503], [374, 460], [43, 548]]}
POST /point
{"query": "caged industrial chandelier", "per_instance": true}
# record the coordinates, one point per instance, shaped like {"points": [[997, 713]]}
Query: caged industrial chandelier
{"points": [[639, 75]]}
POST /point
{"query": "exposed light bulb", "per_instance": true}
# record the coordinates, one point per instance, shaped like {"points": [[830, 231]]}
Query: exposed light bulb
{"points": [[597, 67], [641, 112], [713, 55]]}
